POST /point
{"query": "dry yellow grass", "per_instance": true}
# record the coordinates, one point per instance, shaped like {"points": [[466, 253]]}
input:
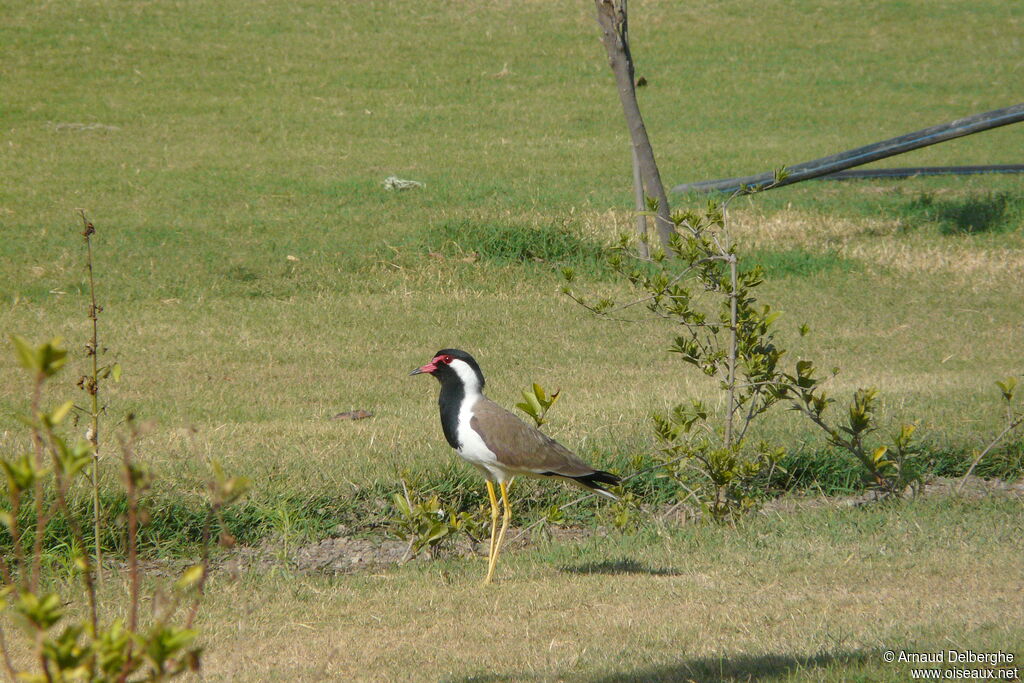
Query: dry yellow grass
{"points": [[878, 243], [810, 596]]}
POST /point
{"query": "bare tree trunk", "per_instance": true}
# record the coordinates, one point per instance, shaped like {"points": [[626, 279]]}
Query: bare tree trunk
{"points": [[641, 220], [611, 16]]}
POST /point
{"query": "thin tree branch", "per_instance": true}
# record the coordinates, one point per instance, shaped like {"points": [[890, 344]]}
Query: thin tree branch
{"points": [[992, 444], [93, 389]]}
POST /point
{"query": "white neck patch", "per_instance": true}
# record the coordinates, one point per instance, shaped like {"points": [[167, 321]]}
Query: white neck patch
{"points": [[467, 375]]}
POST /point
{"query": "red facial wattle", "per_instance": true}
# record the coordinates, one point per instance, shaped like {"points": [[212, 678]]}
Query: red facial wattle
{"points": [[432, 366]]}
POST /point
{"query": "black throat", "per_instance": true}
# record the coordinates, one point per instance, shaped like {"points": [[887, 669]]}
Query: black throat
{"points": [[453, 392]]}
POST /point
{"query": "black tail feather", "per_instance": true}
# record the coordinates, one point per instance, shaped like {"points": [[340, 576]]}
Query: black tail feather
{"points": [[592, 481], [598, 477]]}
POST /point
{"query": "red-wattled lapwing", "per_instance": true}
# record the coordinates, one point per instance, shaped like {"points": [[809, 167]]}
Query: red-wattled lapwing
{"points": [[497, 442]]}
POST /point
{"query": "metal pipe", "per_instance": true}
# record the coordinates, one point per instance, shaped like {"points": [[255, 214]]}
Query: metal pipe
{"points": [[863, 155]]}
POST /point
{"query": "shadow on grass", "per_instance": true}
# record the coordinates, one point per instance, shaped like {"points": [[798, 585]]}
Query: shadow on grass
{"points": [[738, 667], [725, 668], [991, 212], [622, 566]]}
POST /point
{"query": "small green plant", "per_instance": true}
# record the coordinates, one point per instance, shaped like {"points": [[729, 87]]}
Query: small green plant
{"points": [[425, 524], [626, 513], [890, 468], [536, 403], [722, 482], [64, 647]]}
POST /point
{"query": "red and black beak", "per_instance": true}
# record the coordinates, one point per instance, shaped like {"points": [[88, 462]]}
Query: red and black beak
{"points": [[428, 368]]}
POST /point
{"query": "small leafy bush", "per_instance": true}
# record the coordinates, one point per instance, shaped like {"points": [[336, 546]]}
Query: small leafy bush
{"points": [[426, 524], [698, 285], [64, 647]]}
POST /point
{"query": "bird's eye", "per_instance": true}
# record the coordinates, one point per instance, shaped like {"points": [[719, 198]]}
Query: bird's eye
{"points": [[446, 359]]}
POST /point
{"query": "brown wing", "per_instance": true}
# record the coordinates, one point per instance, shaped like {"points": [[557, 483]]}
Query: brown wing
{"points": [[519, 446]]}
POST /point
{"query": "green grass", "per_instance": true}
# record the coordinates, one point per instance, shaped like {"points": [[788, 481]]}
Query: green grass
{"points": [[505, 243], [257, 278], [989, 212], [798, 263], [815, 595]]}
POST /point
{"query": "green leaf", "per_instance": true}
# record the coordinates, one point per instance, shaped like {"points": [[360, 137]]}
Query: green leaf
{"points": [[72, 460], [21, 473], [112, 649], [534, 402], [190, 577], [61, 411], [553, 399], [39, 613], [26, 354], [64, 651], [51, 356], [555, 515], [165, 641], [526, 408], [401, 504], [116, 372], [906, 433], [1007, 387]]}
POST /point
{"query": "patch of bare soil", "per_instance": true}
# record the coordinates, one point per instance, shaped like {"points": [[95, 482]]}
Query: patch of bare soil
{"points": [[348, 554]]}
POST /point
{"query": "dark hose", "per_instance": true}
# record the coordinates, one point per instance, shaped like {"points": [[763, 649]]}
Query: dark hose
{"points": [[864, 155]]}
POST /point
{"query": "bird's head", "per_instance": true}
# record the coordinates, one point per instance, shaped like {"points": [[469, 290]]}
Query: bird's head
{"points": [[454, 365]]}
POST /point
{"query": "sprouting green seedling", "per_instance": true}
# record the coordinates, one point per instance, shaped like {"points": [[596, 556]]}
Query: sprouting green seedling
{"points": [[536, 403], [1007, 386]]}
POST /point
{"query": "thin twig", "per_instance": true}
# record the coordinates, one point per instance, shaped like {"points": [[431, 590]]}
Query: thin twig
{"points": [[63, 484], [213, 512], [17, 536], [992, 444], [412, 537], [93, 388], [42, 519], [133, 528], [730, 413]]}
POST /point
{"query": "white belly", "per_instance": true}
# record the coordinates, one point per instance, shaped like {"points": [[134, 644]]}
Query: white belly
{"points": [[473, 449]]}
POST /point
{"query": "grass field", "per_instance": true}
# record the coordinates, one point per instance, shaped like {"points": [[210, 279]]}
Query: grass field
{"points": [[257, 279]]}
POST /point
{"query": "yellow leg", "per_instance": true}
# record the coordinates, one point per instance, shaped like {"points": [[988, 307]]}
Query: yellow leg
{"points": [[501, 535], [494, 519]]}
